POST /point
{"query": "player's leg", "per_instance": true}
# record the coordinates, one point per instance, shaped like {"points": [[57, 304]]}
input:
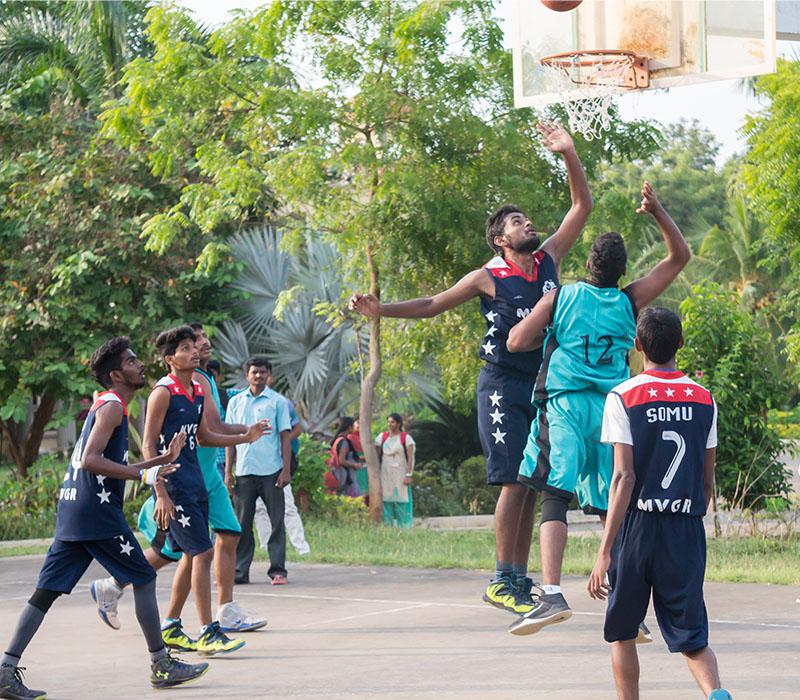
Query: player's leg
{"points": [[244, 501], [703, 666], [294, 523], [272, 497], [625, 665]]}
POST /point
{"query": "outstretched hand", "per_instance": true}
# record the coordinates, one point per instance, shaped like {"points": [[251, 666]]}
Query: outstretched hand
{"points": [[365, 304], [555, 137], [650, 203], [175, 446]]}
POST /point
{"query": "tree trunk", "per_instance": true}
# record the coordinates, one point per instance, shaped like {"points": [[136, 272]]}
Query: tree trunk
{"points": [[25, 452], [368, 383]]}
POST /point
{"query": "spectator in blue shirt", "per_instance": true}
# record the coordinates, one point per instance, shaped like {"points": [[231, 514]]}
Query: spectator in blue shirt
{"points": [[262, 470]]}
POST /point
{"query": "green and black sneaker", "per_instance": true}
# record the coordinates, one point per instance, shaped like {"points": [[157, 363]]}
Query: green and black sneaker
{"points": [[501, 593], [12, 687], [169, 672], [175, 638]]}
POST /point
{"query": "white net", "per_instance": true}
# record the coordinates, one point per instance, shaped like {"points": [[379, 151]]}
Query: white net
{"points": [[587, 84]]}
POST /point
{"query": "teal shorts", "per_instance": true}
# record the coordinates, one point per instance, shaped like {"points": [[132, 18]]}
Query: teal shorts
{"points": [[221, 517], [564, 454]]}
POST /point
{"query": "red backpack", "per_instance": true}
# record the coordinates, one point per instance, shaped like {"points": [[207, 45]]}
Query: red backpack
{"points": [[336, 476]]}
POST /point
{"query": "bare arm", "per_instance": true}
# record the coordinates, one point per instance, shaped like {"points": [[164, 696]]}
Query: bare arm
{"points": [[561, 242], [475, 283], [294, 433], [528, 334], [285, 475], [212, 412], [649, 287], [709, 467], [211, 438], [157, 405], [230, 463], [341, 452], [619, 496]]}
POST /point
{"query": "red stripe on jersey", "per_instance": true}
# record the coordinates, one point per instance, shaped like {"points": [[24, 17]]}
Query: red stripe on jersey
{"points": [[101, 400], [177, 388], [666, 392], [513, 271]]}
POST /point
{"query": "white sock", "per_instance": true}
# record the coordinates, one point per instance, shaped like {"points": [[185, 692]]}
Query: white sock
{"points": [[551, 590]]}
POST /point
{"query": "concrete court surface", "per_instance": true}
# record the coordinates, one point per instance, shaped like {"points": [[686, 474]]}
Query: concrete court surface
{"points": [[360, 632]]}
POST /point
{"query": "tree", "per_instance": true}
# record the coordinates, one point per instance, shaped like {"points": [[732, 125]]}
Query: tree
{"points": [[395, 137], [74, 269], [726, 348]]}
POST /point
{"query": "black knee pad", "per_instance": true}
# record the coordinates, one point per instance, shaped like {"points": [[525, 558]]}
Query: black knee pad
{"points": [[42, 599], [554, 507]]}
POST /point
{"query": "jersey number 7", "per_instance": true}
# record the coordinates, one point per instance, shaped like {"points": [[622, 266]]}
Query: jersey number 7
{"points": [[672, 436]]}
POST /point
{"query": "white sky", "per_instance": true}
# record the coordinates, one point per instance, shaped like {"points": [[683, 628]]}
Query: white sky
{"points": [[720, 107]]}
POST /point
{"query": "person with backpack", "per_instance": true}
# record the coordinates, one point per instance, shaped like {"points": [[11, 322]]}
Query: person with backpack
{"points": [[340, 479], [396, 454]]}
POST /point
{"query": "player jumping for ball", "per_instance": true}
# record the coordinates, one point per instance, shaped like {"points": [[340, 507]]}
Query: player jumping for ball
{"points": [[592, 327], [90, 524], [663, 427], [508, 287]]}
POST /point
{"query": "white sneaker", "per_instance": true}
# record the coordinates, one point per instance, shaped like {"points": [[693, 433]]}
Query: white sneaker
{"points": [[233, 618], [106, 594]]}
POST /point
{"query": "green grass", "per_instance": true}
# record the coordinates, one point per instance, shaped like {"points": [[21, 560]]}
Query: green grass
{"points": [[735, 559]]}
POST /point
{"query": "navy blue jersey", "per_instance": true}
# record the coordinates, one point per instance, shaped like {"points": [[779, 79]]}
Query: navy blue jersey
{"points": [[90, 505], [515, 295], [670, 421], [183, 415]]}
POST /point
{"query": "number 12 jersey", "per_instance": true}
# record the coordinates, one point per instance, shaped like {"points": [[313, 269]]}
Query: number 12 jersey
{"points": [[670, 421]]}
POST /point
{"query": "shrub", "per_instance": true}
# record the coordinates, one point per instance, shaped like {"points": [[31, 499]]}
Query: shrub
{"points": [[436, 491], [343, 509], [28, 506], [727, 350], [308, 483], [478, 497]]}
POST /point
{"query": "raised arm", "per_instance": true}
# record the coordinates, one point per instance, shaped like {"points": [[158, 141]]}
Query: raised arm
{"points": [[528, 334], [475, 283], [647, 288], [619, 496], [211, 438], [212, 412], [560, 243]]}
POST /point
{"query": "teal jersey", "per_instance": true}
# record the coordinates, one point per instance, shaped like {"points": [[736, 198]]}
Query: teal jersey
{"points": [[587, 346], [207, 456]]}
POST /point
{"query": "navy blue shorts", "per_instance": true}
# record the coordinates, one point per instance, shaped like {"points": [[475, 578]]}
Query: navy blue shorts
{"points": [[121, 556], [664, 554], [505, 413], [188, 531]]}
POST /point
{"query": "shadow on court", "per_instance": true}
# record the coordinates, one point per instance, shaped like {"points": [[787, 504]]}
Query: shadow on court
{"points": [[359, 632]]}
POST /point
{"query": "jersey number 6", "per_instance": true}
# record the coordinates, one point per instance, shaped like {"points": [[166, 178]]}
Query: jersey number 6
{"points": [[672, 436]]}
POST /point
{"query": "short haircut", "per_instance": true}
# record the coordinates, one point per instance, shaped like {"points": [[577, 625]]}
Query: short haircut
{"points": [[195, 326], [107, 358], [257, 361], [168, 341], [214, 366], [607, 259], [397, 418], [660, 333], [496, 223]]}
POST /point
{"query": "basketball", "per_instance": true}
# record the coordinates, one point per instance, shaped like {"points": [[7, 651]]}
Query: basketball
{"points": [[561, 5]]}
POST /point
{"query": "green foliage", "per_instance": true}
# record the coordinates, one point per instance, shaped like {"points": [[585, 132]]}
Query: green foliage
{"points": [[344, 510], [479, 497], [311, 468], [786, 423], [28, 506], [451, 437], [726, 348], [441, 490]]}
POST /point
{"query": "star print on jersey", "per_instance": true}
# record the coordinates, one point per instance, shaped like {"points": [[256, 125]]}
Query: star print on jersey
{"points": [[499, 437], [491, 316], [490, 333], [496, 417], [653, 393], [503, 273], [100, 479], [670, 393], [104, 496], [184, 520], [126, 548], [689, 391], [488, 347], [495, 398]]}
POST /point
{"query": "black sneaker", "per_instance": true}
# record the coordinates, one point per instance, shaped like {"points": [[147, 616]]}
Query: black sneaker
{"points": [[502, 594], [213, 642], [547, 610], [527, 593], [12, 687], [168, 672]]}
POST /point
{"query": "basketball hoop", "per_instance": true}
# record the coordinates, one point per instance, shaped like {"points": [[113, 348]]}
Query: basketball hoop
{"points": [[602, 74]]}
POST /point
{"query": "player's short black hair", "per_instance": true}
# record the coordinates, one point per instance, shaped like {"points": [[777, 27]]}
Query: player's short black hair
{"points": [[496, 223], [397, 418], [195, 326], [107, 358], [257, 361], [660, 333], [607, 259], [168, 341]]}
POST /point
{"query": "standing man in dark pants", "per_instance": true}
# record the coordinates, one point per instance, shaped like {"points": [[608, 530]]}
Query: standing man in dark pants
{"points": [[262, 470]]}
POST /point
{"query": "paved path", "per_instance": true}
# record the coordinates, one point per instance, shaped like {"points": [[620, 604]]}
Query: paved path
{"points": [[357, 632]]}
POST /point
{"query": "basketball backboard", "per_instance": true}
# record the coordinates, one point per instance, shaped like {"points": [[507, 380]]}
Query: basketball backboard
{"points": [[685, 41]]}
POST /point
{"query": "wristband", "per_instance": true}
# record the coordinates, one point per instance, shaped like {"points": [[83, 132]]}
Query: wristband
{"points": [[409, 473], [141, 475]]}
